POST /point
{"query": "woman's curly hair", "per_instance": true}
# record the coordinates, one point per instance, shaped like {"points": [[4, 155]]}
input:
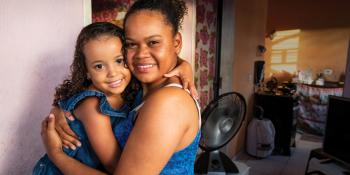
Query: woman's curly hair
{"points": [[78, 80], [173, 10]]}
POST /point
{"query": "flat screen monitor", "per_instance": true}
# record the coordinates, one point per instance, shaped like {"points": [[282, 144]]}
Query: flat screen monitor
{"points": [[337, 134]]}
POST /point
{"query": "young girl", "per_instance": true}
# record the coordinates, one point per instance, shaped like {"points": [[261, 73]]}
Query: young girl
{"points": [[99, 93], [165, 127]]}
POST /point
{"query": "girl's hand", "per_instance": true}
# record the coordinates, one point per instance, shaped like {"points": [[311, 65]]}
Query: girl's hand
{"points": [[184, 71], [68, 137], [50, 137]]}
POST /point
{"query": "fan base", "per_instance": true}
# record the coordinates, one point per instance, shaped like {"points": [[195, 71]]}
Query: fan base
{"points": [[214, 162]]}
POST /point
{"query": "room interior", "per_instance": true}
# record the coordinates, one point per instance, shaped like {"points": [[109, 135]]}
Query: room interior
{"points": [[322, 30], [289, 44]]}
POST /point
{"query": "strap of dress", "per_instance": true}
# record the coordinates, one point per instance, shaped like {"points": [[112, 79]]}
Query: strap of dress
{"points": [[196, 102]]}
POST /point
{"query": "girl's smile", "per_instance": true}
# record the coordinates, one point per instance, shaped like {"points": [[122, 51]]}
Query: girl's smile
{"points": [[105, 65]]}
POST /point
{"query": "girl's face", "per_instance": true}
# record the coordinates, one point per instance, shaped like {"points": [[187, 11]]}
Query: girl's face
{"points": [[105, 64], [152, 47]]}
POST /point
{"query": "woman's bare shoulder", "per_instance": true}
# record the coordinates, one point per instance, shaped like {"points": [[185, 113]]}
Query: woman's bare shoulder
{"points": [[172, 102]]}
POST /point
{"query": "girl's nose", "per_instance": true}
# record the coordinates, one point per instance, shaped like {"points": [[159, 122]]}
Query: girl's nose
{"points": [[112, 71]]}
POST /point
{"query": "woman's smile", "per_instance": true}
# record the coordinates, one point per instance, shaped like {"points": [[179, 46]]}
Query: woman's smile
{"points": [[144, 68]]}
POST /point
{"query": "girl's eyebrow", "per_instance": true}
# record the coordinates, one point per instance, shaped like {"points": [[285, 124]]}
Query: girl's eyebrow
{"points": [[96, 61], [101, 61], [119, 56]]}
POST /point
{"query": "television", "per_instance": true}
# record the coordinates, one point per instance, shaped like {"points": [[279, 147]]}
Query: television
{"points": [[337, 133]]}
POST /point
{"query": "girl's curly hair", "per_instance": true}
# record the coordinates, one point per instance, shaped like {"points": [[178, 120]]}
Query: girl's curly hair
{"points": [[173, 11], [77, 79]]}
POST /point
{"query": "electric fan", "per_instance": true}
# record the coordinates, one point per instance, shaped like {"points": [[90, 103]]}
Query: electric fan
{"points": [[221, 120]]}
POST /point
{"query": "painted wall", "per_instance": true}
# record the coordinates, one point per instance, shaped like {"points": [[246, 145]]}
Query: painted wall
{"points": [[249, 28], [325, 31], [36, 49], [318, 49], [291, 14]]}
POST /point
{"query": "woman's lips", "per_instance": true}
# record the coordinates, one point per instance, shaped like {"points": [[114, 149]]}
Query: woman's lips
{"points": [[144, 68]]}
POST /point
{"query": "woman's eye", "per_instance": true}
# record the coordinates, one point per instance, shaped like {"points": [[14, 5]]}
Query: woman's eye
{"points": [[130, 45], [152, 43]]}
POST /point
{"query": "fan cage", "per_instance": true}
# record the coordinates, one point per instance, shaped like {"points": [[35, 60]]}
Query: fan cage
{"points": [[209, 109]]}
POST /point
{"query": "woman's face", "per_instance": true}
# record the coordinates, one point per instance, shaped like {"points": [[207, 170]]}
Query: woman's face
{"points": [[105, 64], [152, 47]]}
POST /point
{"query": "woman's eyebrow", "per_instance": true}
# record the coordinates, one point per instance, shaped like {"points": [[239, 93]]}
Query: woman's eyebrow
{"points": [[147, 38]]}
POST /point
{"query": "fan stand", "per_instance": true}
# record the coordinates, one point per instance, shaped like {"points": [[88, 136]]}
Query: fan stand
{"points": [[214, 161]]}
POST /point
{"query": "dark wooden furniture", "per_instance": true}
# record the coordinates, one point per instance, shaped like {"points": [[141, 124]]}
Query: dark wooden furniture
{"points": [[279, 109], [320, 155]]}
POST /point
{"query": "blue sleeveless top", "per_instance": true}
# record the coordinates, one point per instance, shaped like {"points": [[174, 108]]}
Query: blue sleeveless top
{"points": [[181, 162], [85, 153]]}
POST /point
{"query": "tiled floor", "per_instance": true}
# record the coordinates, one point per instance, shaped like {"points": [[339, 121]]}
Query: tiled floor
{"points": [[282, 165]]}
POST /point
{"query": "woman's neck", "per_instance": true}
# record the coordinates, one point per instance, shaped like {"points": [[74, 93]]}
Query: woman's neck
{"points": [[149, 88]]}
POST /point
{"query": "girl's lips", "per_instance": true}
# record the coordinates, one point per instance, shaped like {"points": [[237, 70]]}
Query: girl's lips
{"points": [[144, 68], [115, 84]]}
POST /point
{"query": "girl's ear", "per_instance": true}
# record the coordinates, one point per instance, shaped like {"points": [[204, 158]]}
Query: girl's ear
{"points": [[88, 76], [178, 42]]}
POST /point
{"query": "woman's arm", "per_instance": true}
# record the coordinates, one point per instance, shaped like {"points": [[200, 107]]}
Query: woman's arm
{"points": [[53, 146], [159, 131], [183, 70], [100, 133]]}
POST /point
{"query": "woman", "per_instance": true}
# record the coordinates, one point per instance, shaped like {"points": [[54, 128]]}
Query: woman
{"points": [[165, 134]]}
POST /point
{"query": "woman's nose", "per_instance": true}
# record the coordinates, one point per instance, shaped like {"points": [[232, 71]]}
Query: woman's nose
{"points": [[142, 52]]}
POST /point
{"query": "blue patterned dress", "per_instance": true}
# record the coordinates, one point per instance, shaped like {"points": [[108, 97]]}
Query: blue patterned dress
{"points": [[85, 153], [181, 162]]}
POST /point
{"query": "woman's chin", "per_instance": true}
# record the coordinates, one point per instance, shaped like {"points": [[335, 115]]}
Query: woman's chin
{"points": [[148, 78]]}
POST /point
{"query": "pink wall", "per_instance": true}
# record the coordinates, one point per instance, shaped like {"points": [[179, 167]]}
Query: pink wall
{"points": [[37, 42]]}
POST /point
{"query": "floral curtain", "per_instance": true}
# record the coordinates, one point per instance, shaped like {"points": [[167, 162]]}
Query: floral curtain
{"points": [[110, 10], [205, 50]]}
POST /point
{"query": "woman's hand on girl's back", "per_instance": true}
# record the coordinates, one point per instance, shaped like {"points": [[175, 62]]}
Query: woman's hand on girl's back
{"points": [[50, 137], [68, 137]]}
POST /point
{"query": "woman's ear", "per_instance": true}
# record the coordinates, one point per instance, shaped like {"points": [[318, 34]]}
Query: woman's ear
{"points": [[178, 42], [88, 76]]}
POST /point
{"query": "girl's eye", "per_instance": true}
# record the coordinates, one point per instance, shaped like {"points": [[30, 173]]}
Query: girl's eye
{"points": [[98, 66], [120, 61]]}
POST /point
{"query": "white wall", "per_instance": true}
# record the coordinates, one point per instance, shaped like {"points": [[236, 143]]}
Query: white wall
{"points": [[36, 48], [188, 33]]}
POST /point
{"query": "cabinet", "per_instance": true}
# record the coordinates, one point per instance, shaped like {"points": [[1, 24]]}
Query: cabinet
{"points": [[279, 109]]}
